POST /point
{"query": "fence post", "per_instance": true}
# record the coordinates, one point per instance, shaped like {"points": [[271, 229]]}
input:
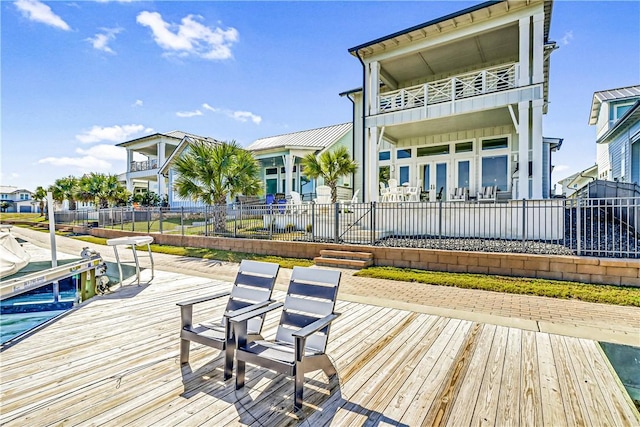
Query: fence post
{"points": [[160, 210], [439, 219], [235, 220], [270, 210], [133, 219], [182, 220], [373, 223], [206, 226], [313, 221], [336, 227], [148, 219], [578, 227], [524, 223]]}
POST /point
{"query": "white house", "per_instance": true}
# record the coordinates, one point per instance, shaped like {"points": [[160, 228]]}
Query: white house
{"points": [[458, 101], [573, 183], [616, 115], [18, 199], [280, 158], [155, 149]]}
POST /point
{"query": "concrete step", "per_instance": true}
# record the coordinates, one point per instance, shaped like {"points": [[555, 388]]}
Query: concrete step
{"points": [[342, 262], [329, 253]]}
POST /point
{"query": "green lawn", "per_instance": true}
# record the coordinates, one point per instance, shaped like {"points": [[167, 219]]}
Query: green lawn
{"points": [[617, 295]]}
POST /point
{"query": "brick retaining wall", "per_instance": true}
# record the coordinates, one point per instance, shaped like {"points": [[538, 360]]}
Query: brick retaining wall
{"points": [[559, 267]]}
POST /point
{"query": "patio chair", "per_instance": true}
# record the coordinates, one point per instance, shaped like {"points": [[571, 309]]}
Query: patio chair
{"points": [[488, 194], [460, 194], [384, 193], [324, 195], [252, 289], [396, 194], [412, 194], [296, 203], [301, 339], [348, 203]]}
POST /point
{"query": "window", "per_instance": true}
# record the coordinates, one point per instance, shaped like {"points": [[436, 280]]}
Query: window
{"points": [[463, 173], [619, 110], [433, 151], [464, 147], [272, 171], [495, 144], [384, 173], [403, 174], [384, 155], [494, 172], [404, 153]]}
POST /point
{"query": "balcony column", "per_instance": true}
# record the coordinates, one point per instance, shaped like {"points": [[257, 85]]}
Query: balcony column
{"points": [[372, 154], [374, 87], [538, 49], [129, 181], [523, 150], [160, 159], [524, 53], [536, 145]]}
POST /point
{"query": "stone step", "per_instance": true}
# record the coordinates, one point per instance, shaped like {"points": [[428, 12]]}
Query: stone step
{"points": [[329, 253], [342, 262]]}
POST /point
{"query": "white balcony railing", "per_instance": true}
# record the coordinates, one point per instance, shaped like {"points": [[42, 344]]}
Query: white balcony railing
{"points": [[143, 166], [495, 79]]}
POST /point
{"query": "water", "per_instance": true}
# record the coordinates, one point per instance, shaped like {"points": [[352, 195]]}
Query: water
{"points": [[626, 362], [13, 325]]}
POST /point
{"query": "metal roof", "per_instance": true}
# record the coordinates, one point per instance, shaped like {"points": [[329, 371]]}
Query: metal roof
{"points": [[177, 134], [619, 94], [314, 138]]}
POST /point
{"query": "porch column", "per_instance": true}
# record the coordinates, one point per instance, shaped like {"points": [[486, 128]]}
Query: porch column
{"points": [[523, 150], [288, 173], [523, 57], [374, 87], [538, 49], [372, 161], [129, 181], [161, 159], [536, 146]]}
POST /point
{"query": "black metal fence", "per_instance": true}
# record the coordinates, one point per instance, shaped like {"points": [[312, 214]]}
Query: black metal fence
{"points": [[602, 227]]}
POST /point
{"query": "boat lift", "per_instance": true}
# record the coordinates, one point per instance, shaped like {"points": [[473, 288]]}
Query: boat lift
{"points": [[91, 270]]}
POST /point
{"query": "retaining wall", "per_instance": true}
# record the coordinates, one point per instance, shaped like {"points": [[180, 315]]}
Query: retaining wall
{"points": [[558, 267]]}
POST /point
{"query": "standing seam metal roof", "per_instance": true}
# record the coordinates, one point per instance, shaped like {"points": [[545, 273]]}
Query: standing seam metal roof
{"points": [[314, 138], [609, 95]]}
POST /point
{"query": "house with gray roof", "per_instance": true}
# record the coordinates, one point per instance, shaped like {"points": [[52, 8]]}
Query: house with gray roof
{"points": [[280, 158]]}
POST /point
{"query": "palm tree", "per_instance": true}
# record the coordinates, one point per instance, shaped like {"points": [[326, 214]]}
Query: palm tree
{"points": [[330, 165], [210, 173], [66, 189], [101, 189], [40, 195]]}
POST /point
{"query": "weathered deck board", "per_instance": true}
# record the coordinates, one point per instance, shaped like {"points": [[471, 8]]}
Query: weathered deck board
{"points": [[114, 362]]}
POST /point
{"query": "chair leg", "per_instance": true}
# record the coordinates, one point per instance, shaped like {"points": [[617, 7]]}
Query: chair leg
{"points": [[184, 350], [240, 368], [298, 387], [228, 361]]}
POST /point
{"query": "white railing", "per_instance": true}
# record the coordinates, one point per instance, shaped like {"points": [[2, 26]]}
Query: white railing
{"points": [[143, 166], [495, 79]]}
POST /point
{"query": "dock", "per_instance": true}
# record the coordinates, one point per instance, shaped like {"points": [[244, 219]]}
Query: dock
{"points": [[114, 361]]}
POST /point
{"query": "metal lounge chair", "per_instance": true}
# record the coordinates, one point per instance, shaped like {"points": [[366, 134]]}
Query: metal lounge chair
{"points": [[488, 194], [301, 339], [252, 289], [460, 194]]}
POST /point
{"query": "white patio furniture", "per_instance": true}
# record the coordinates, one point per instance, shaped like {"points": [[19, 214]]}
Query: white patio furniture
{"points": [[384, 192], [296, 205], [412, 194], [323, 193], [488, 194], [460, 194], [345, 204]]}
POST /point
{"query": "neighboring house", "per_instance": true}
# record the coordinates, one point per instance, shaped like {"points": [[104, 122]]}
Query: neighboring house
{"points": [[571, 184], [458, 102], [155, 149], [280, 158], [19, 199], [616, 115]]}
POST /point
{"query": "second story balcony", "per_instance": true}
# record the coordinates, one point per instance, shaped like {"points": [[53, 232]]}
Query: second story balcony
{"points": [[143, 166], [494, 79]]}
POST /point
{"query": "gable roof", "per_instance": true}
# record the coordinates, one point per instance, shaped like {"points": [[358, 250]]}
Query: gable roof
{"points": [[175, 134], [310, 139], [619, 94], [187, 139], [631, 117]]}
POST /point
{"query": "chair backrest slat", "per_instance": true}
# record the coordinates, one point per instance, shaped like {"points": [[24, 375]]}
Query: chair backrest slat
{"points": [[246, 279], [250, 294], [312, 295]]}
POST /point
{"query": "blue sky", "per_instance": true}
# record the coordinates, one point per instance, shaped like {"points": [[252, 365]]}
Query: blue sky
{"points": [[79, 76]]}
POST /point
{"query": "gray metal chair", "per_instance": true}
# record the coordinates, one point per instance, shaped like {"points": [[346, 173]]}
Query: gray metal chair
{"points": [[301, 338], [252, 289]]}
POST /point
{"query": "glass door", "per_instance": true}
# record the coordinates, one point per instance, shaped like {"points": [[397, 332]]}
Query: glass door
{"points": [[434, 178]]}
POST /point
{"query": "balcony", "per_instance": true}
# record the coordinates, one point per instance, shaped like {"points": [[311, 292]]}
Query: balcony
{"points": [[495, 79], [143, 166]]}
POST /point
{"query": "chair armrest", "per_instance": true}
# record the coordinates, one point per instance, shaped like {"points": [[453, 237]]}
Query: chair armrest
{"points": [[315, 326], [247, 309], [203, 299], [253, 313]]}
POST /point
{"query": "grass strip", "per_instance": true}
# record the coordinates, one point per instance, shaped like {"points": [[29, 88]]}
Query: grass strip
{"points": [[606, 294], [216, 254]]}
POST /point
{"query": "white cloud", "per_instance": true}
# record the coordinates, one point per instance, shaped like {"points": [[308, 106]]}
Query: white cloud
{"points": [[83, 164], [241, 116], [566, 39], [115, 133], [190, 37], [104, 152], [189, 113], [101, 40], [138, 103], [40, 12]]}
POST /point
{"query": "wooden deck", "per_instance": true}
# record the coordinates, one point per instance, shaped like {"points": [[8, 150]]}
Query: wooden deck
{"points": [[114, 362]]}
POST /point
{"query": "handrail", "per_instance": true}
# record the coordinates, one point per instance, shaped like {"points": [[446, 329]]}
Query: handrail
{"points": [[494, 79]]}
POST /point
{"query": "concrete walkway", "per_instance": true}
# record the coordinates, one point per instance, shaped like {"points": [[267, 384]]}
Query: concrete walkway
{"points": [[600, 322]]}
